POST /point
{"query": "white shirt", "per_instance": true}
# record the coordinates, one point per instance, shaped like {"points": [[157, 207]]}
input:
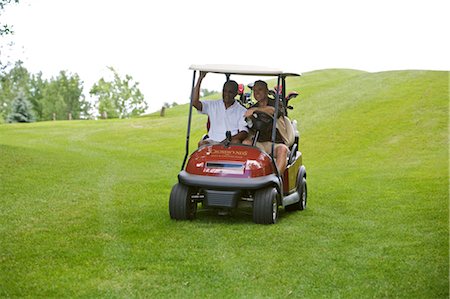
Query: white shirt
{"points": [[222, 120]]}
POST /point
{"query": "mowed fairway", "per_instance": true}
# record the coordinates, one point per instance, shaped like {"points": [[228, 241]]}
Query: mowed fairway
{"points": [[84, 204]]}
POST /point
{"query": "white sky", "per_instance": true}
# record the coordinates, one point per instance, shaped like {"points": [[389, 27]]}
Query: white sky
{"points": [[157, 41]]}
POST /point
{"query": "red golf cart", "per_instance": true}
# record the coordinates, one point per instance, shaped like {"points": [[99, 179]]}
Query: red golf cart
{"points": [[228, 176]]}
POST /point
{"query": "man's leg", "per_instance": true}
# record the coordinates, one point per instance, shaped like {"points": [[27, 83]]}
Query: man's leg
{"points": [[249, 139], [281, 151]]}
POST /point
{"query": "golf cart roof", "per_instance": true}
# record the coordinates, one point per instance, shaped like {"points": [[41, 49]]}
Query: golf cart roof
{"points": [[240, 70]]}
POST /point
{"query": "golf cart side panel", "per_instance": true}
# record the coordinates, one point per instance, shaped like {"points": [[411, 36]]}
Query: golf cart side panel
{"points": [[290, 175], [234, 161]]}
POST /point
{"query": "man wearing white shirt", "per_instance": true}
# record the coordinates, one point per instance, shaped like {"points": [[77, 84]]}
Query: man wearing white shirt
{"points": [[224, 115]]}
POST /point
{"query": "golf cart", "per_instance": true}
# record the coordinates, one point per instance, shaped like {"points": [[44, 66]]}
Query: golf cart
{"points": [[228, 176]]}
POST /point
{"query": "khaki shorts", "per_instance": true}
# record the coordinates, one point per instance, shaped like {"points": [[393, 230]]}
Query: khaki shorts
{"points": [[266, 146]]}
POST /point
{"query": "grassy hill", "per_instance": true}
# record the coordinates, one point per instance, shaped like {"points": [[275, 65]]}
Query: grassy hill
{"points": [[84, 204]]}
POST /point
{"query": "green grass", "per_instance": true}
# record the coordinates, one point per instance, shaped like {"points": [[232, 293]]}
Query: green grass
{"points": [[84, 204]]}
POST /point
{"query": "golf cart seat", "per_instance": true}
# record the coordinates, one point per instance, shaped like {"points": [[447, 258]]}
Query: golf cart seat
{"points": [[291, 138], [287, 131]]}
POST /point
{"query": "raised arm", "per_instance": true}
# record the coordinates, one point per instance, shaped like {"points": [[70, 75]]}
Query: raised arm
{"points": [[266, 109], [196, 100]]}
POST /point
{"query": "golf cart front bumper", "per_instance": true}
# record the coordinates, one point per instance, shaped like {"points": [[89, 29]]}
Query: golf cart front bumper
{"points": [[227, 183], [225, 192]]}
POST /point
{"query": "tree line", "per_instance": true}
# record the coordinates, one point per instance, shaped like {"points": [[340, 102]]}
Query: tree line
{"points": [[26, 97]]}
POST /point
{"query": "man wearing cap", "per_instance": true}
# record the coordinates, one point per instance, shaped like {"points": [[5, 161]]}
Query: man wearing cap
{"points": [[266, 105], [224, 115]]}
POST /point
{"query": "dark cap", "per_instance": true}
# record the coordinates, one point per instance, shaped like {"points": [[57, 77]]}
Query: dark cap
{"points": [[261, 82]]}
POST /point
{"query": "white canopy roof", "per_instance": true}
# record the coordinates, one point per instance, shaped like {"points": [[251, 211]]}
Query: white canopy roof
{"points": [[240, 70]]}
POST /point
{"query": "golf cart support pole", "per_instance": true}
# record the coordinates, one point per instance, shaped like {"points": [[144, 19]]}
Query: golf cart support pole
{"points": [[283, 95], [274, 127], [189, 121]]}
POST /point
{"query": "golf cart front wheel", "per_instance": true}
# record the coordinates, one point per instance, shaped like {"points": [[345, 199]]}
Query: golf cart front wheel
{"points": [[181, 206], [265, 206]]}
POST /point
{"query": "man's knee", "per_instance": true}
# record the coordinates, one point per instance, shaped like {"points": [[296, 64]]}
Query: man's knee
{"points": [[282, 150], [247, 141]]}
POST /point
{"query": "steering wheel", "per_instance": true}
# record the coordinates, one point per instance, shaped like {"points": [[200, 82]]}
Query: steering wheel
{"points": [[262, 122]]}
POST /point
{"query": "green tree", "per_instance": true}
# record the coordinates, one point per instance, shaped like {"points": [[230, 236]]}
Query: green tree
{"points": [[36, 88], [106, 105], [13, 82], [61, 97], [21, 110], [53, 106], [70, 87], [119, 97], [5, 29], [205, 92]]}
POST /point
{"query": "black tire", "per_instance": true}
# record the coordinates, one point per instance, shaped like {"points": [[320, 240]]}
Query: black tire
{"points": [[303, 194], [181, 206], [265, 206]]}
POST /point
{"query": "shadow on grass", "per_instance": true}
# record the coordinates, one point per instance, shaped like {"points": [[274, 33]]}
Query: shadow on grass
{"points": [[235, 216]]}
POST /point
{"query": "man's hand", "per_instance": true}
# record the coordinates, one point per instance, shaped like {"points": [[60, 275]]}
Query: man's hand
{"points": [[267, 109], [202, 74], [249, 112]]}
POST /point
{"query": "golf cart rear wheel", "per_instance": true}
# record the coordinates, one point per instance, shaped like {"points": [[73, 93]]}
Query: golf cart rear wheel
{"points": [[265, 206], [303, 194], [181, 206]]}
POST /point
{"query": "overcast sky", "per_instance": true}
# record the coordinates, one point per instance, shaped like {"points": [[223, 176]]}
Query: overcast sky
{"points": [[157, 41]]}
